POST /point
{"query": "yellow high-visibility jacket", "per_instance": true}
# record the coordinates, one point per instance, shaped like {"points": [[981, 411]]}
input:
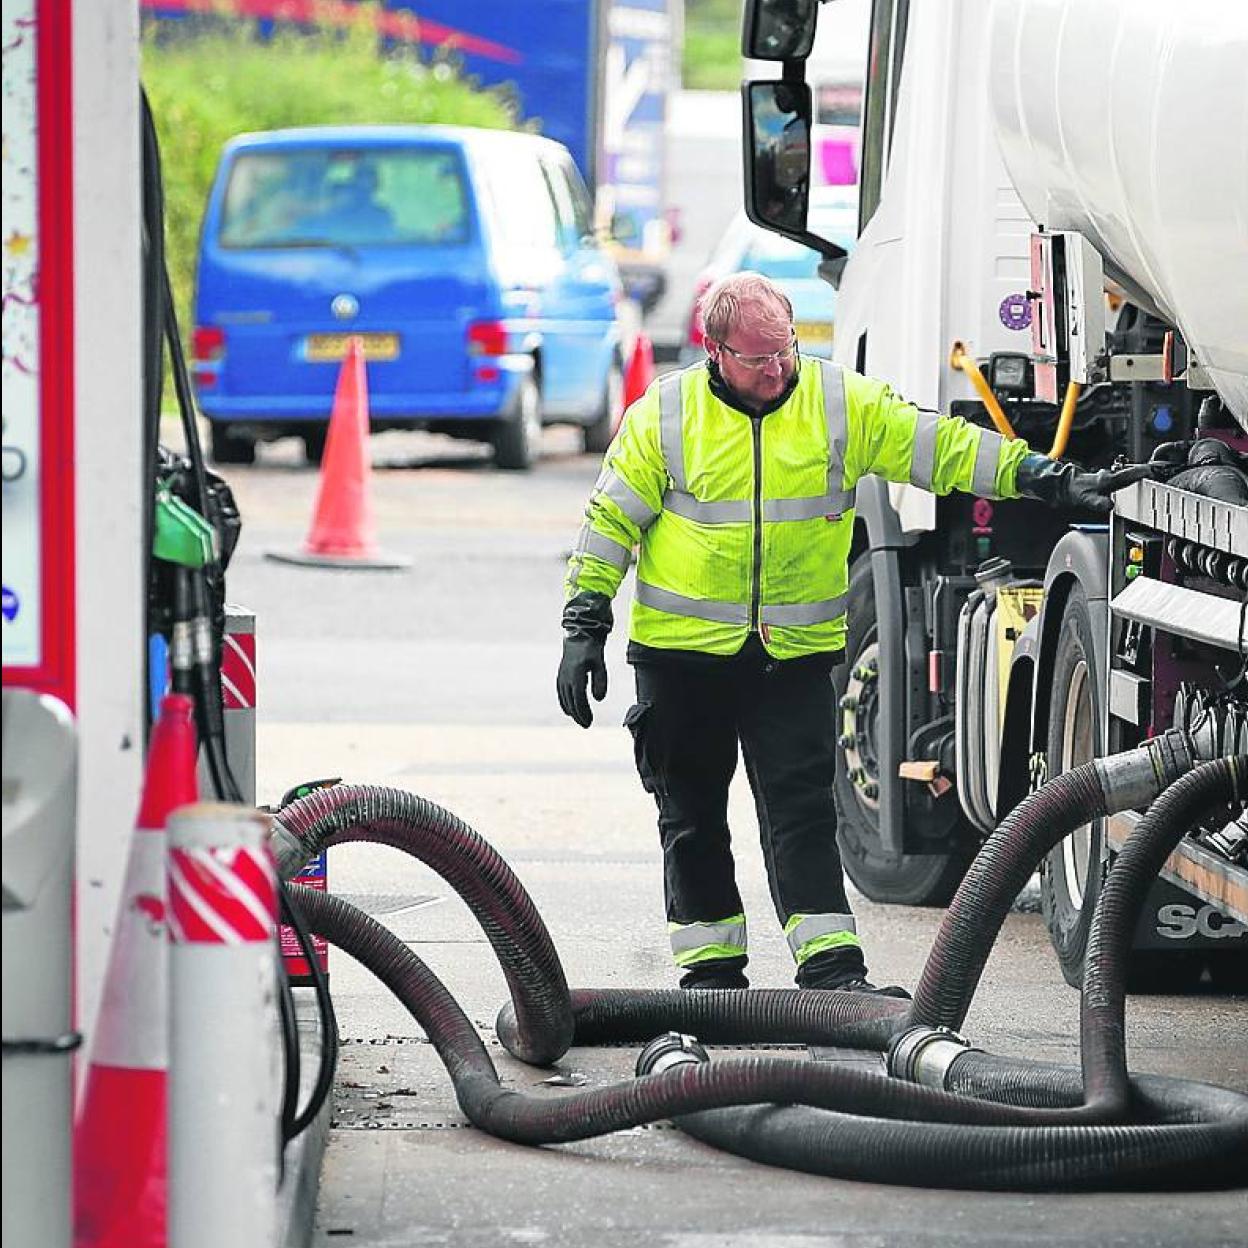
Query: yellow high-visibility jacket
{"points": [[745, 523]]}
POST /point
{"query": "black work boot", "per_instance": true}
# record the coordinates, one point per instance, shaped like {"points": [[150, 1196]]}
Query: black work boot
{"points": [[717, 973], [865, 985], [842, 970], [832, 968]]}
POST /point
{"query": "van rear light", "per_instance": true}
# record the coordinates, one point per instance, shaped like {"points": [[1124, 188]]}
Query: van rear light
{"points": [[208, 344], [487, 338]]}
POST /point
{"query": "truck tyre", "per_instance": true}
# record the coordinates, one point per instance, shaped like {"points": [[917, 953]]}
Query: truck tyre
{"points": [[228, 446], [518, 437], [314, 444], [596, 436], [1071, 877], [915, 879]]}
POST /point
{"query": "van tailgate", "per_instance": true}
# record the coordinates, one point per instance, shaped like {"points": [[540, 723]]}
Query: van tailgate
{"points": [[285, 317]]}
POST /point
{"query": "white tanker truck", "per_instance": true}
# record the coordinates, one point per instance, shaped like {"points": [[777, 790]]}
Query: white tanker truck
{"points": [[1053, 240]]}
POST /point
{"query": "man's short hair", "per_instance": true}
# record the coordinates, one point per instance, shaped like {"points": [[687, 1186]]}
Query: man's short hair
{"points": [[728, 302]]}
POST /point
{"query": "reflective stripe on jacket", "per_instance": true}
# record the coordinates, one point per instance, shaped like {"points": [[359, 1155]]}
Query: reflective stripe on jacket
{"points": [[745, 523]]}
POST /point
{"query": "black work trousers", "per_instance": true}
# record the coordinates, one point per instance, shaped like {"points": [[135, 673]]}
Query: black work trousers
{"points": [[687, 723]]}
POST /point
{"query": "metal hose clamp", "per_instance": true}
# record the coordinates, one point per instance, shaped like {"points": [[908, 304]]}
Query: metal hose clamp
{"points": [[673, 1048], [924, 1054], [1136, 777]]}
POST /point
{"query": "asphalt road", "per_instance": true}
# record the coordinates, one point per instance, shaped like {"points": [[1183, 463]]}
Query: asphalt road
{"points": [[439, 680]]}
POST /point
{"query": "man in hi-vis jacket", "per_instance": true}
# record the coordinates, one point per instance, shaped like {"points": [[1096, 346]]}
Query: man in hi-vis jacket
{"points": [[736, 481]]}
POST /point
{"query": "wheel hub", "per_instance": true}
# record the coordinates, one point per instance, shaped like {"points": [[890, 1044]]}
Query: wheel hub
{"points": [[859, 708]]}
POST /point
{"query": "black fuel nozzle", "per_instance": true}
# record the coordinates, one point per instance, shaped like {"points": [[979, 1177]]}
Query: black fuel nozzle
{"points": [[304, 787]]}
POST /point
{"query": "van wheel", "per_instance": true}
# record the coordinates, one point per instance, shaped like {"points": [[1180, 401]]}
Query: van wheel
{"points": [[314, 444], [909, 879], [1071, 879], [518, 437], [596, 437], [228, 446]]}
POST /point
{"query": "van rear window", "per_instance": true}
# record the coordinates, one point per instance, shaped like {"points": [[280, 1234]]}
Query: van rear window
{"points": [[363, 197]]}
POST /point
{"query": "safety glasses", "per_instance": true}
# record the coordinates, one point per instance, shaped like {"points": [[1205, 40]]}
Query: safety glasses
{"points": [[783, 356]]}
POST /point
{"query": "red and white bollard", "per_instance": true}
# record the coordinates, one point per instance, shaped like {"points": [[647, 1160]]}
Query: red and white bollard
{"points": [[224, 1062]]}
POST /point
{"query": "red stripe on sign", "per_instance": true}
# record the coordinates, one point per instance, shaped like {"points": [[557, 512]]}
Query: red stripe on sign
{"points": [[238, 671], [221, 896]]}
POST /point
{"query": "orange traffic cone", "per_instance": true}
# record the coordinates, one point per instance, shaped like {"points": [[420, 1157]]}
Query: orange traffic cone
{"points": [[120, 1191], [342, 533], [640, 371]]}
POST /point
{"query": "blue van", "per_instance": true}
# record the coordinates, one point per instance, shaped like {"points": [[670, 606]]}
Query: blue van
{"points": [[464, 259]]}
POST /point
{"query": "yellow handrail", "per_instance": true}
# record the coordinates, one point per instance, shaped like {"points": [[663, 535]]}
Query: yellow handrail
{"points": [[1064, 422], [959, 359]]}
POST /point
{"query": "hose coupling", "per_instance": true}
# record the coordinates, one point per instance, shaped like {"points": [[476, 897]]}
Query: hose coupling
{"points": [[672, 1048], [1137, 776], [924, 1054]]}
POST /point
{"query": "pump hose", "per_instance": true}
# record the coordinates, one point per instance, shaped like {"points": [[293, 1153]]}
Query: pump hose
{"points": [[543, 1014], [527, 1119], [539, 1024], [1191, 1135], [544, 1018]]}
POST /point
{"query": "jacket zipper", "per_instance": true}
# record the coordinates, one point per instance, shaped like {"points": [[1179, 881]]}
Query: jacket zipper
{"points": [[756, 580]]}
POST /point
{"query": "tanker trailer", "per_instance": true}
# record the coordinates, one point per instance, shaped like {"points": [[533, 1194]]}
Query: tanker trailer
{"points": [[1052, 241]]}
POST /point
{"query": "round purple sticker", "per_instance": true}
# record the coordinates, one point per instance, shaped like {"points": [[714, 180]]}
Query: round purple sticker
{"points": [[1015, 311]]}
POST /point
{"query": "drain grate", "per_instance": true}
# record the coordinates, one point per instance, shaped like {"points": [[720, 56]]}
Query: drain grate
{"points": [[395, 1124]]}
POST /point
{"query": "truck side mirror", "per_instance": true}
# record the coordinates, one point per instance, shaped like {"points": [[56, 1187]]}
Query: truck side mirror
{"points": [[777, 161], [778, 30]]}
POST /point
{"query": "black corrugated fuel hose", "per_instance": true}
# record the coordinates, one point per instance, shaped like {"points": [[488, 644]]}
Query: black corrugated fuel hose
{"points": [[1102, 1005], [542, 1019], [467, 862], [975, 915], [1010, 1156], [681, 1088], [1011, 855], [1158, 1132]]}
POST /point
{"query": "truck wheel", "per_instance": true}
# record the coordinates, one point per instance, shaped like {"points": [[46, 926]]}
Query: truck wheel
{"points": [[1071, 879], [914, 879], [228, 446], [518, 437], [314, 444], [596, 437]]}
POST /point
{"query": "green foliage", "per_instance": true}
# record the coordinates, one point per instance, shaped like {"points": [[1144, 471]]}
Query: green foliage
{"points": [[207, 87], [712, 56]]}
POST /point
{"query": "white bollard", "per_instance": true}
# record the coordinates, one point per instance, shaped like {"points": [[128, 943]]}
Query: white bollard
{"points": [[224, 1067]]}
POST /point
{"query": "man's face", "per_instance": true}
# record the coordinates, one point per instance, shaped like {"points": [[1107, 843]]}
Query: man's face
{"points": [[757, 362]]}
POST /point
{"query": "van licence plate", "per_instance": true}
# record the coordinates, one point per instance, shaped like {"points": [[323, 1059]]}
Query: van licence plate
{"points": [[320, 347]]}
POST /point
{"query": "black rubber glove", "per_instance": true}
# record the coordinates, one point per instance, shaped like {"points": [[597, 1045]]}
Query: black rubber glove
{"points": [[587, 621], [1207, 466], [1063, 484]]}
